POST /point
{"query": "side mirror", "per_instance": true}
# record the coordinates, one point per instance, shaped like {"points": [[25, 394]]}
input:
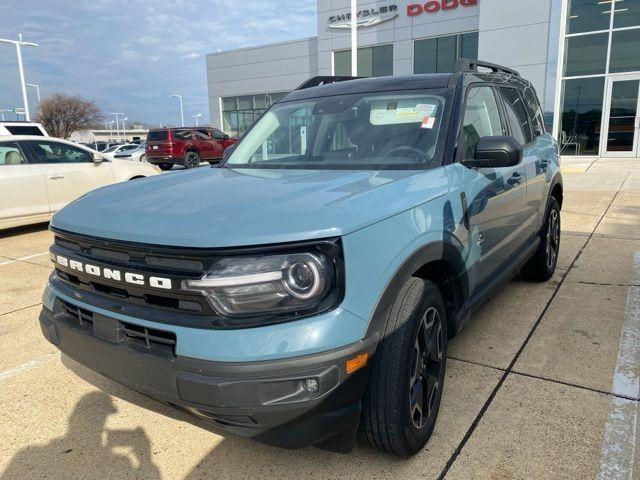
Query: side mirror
{"points": [[97, 158], [496, 152], [228, 151]]}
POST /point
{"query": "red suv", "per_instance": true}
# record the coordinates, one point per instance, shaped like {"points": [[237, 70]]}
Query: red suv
{"points": [[186, 146]]}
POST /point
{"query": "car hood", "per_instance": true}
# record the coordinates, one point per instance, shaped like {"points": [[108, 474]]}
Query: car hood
{"points": [[221, 207]]}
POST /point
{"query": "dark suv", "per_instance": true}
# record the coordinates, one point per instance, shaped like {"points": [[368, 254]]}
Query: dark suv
{"points": [[186, 146], [309, 286]]}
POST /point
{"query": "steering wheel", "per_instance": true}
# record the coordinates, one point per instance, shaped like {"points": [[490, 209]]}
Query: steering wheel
{"points": [[408, 151]]}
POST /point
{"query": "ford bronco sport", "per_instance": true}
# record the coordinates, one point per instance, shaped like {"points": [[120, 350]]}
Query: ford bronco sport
{"points": [[312, 287]]}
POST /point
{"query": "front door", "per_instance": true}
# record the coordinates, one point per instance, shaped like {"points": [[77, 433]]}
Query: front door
{"points": [[622, 117]]}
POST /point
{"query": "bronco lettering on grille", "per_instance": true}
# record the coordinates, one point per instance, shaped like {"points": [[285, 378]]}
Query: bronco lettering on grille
{"points": [[111, 274]]}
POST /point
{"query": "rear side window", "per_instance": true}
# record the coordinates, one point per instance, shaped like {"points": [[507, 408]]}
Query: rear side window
{"points": [[534, 109], [182, 134], [202, 134], [481, 118], [517, 115], [10, 154], [24, 130], [156, 136]]}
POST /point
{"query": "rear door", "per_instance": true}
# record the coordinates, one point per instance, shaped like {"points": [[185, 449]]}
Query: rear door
{"points": [[69, 171], [495, 197], [24, 193]]}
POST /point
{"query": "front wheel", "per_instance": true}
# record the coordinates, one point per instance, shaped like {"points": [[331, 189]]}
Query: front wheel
{"points": [[191, 160], [542, 265], [403, 396]]}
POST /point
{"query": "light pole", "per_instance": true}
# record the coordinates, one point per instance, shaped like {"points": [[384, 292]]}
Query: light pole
{"points": [[19, 43], [179, 97], [117, 124], [124, 129], [37, 87], [109, 125], [354, 38], [197, 116]]}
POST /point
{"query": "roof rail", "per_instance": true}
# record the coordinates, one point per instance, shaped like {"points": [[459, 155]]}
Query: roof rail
{"points": [[469, 65], [323, 80]]}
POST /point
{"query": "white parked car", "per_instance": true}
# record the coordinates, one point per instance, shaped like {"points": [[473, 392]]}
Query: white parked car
{"points": [[40, 175], [113, 151], [136, 154], [22, 128]]}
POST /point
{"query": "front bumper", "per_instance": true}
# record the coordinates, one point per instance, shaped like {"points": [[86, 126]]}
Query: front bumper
{"points": [[261, 400]]}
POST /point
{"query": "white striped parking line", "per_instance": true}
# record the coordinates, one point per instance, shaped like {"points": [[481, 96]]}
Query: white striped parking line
{"points": [[27, 366], [619, 442], [21, 259]]}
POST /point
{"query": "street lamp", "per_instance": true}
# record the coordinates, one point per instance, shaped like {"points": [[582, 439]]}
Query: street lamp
{"points": [[354, 38], [37, 87], [19, 43], [197, 116], [124, 129], [117, 124], [109, 125], [179, 97]]}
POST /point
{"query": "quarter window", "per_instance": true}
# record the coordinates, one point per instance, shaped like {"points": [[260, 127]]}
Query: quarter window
{"points": [[534, 110], [53, 152], [481, 118], [517, 115]]}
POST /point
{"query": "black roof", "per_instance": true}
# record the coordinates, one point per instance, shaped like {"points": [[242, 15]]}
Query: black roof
{"points": [[374, 84]]}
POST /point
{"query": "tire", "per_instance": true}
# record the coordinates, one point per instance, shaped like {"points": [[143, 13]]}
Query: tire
{"points": [[411, 356], [165, 166], [542, 265], [191, 160], [143, 158]]}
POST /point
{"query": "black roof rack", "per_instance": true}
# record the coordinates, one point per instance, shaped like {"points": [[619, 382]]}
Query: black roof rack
{"points": [[469, 65], [323, 80]]}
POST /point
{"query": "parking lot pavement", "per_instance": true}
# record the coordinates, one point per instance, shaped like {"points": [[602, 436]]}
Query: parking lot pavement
{"points": [[542, 383]]}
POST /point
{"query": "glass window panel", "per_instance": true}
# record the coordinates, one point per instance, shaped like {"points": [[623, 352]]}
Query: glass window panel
{"points": [[481, 118], [342, 63], [365, 62], [446, 54], [277, 96], [230, 123], [260, 101], [625, 51], [622, 120], [425, 56], [245, 103], [229, 104], [588, 16], [383, 60], [469, 45], [626, 14], [586, 55], [517, 115], [581, 115]]}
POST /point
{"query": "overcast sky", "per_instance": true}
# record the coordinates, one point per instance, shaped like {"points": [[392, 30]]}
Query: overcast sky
{"points": [[130, 56]]}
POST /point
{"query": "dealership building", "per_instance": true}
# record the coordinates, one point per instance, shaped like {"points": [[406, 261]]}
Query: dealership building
{"points": [[583, 56]]}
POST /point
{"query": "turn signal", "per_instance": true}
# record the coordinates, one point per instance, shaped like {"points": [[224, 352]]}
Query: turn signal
{"points": [[357, 362]]}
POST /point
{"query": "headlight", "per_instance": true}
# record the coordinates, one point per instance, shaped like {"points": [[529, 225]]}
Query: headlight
{"points": [[270, 284]]}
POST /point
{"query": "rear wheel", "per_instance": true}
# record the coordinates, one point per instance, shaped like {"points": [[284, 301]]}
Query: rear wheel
{"points": [[165, 166], [143, 158], [542, 265], [403, 397], [191, 160]]}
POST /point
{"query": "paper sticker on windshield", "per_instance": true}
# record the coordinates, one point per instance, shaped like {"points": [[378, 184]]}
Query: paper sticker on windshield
{"points": [[428, 122], [385, 112]]}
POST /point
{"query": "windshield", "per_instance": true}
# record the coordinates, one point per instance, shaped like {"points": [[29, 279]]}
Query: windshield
{"points": [[364, 131], [109, 150]]}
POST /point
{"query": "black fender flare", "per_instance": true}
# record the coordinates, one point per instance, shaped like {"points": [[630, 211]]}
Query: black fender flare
{"points": [[432, 252], [556, 180]]}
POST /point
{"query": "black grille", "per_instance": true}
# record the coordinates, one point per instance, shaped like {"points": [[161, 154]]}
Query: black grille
{"points": [[150, 338]]}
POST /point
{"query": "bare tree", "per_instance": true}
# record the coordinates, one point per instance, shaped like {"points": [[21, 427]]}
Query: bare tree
{"points": [[62, 114]]}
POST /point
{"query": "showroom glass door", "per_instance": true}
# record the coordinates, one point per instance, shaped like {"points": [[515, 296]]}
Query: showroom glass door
{"points": [[622, 117]]}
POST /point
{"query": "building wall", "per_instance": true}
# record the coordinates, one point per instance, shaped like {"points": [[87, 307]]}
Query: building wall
{"points": [[271, 68]]}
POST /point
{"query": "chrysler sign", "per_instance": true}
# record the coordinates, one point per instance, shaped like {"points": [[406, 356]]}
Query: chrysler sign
{"points": [[366, 18]]}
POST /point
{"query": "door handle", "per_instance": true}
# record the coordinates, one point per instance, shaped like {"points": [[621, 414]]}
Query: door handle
{"points": [[515, 179], [56, 177]]}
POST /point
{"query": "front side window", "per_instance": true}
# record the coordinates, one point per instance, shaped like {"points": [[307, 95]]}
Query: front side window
{"points": [[517, 115], [360, 131], [10, 154], [53, 152], [481, 118]]}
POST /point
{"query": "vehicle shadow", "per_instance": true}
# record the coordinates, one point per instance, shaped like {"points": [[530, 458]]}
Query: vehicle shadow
{"points": [[18, 231], [88, 450]]}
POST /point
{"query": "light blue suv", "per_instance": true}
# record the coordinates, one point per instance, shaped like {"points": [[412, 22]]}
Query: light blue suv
{"points": [[308, 286]]}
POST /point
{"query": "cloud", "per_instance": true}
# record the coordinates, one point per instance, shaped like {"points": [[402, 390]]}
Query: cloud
{"points": [[133, 63]]}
